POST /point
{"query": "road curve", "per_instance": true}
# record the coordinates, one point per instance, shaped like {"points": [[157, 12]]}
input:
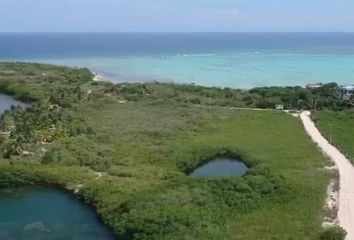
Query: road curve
{"points": [[346, 173]]}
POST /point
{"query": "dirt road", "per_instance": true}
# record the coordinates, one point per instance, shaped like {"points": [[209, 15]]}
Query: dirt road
{"points": [[346, 172]]}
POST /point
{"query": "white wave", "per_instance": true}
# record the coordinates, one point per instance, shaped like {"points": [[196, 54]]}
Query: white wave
{"points": [[197, 55], [251, 53]]}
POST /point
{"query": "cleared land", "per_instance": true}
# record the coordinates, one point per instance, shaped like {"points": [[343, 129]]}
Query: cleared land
{"points": [[144, 139]]}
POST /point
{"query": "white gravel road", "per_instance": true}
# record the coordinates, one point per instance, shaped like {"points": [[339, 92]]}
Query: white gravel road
{"points": [[346, 172]]}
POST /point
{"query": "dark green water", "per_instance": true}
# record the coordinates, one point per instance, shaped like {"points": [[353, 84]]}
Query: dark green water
{"points": [[41, 213], [221, 167]]}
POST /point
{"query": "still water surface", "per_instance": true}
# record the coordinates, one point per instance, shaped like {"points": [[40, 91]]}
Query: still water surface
{"points": [[7, 101], [41, 213], [221, 167]]}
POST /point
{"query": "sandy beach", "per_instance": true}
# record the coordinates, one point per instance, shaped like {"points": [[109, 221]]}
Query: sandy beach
{"points": [[97, 77]]}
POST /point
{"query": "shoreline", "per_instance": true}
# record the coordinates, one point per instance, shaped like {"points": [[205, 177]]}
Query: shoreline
{"points": [[104, 77], [114, 78], [100, 77], [97, 77]]}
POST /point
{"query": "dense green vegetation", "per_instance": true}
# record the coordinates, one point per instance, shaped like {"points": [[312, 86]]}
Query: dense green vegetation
{"points": [[129, 148], [337, 127], [333, 233], [43, 82], [327, 97]]}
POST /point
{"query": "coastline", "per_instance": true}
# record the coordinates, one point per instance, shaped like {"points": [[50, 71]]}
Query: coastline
{"points": [[101, 77], [97, 77]]}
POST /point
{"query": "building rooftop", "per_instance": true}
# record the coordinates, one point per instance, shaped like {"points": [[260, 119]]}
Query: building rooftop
{"points": [[314, 85], [348, 87]]}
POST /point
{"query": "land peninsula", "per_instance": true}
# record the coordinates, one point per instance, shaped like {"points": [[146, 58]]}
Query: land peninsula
{"points": [[128, 149]]}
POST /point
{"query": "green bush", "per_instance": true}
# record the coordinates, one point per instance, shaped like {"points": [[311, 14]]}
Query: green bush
{"points": [[333, 233]]}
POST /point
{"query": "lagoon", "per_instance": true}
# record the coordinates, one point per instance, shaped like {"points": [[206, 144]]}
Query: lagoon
{"points": [[43, 213]]}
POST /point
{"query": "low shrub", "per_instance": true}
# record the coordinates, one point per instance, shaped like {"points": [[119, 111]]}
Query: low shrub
{"points": [[333, 233]]}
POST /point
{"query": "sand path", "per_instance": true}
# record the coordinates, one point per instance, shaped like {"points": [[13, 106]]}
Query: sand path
{"points": [[346, 172]]}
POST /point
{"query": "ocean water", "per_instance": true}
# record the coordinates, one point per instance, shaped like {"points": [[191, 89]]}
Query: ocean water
{"points": [[240, 60]]}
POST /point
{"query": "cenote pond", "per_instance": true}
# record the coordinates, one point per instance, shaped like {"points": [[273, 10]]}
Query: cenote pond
{"points": [[7, 101], [42, 213], [221, 167]]}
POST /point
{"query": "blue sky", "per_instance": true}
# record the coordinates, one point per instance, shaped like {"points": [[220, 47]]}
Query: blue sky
{"points": [[175, 15]]}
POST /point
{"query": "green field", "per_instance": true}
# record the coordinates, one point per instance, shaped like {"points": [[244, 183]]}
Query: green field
{"points": [[144, 139]]}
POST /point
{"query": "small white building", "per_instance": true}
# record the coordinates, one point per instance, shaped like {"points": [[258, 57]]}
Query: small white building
{"points": [[314, 86], [347, 91], [279, 107]]}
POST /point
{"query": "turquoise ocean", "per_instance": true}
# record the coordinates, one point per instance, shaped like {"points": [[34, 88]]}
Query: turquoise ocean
{"points": [[239, 60]]}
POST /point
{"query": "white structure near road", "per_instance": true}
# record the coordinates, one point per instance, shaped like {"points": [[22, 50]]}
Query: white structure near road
{"points": [[347, 91], [279, 107]]}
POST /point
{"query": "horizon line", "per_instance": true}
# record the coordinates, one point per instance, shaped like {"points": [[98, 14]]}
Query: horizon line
{"points": [[154, 32]]}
